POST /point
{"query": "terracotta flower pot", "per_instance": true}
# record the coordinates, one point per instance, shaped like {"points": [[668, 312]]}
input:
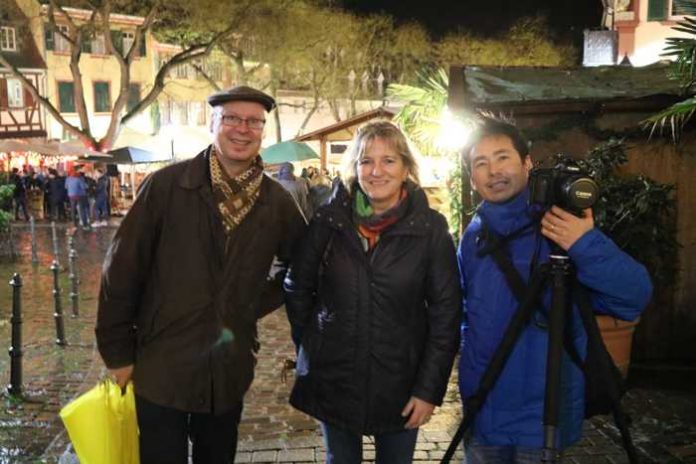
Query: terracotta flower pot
{"points": [[618, 337]]}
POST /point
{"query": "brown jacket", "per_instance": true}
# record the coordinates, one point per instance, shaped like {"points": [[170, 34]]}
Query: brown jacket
{"points": [[180, 299]]}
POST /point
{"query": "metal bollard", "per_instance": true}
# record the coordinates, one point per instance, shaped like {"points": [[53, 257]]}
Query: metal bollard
{"points": [[34, 256], [58, 313], [54, 235], [74, 282], [15, 386]]}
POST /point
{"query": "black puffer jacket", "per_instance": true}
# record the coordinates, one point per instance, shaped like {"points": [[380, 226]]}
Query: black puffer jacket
{"points": [[379, 327]]}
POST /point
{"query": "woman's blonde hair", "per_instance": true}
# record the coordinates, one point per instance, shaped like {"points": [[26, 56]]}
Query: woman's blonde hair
{"points": [[384, 130]]}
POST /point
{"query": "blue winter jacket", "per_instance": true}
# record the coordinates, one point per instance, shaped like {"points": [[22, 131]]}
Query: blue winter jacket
{"points": [[76, 186], [512, 413]]}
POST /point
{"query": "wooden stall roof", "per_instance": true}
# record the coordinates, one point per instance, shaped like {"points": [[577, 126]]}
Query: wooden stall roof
{"points": [[344, 130], [561, 90]]}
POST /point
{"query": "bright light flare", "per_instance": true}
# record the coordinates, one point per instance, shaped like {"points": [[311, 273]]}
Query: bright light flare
{"points": [[454, 132]]}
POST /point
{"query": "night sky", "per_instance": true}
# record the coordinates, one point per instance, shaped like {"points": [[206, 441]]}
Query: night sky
{"points": [[567, 18]]}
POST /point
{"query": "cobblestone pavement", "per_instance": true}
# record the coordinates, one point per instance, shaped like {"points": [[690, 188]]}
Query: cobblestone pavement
{"points": [[664, 418]]}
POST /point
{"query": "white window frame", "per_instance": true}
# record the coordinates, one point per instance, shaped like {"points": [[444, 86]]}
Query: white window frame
{"points": [[61, 44], [15, 93], [8, 39]]}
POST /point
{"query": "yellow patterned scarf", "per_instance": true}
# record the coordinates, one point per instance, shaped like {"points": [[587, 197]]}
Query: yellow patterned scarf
{"points": [[236, 196]]}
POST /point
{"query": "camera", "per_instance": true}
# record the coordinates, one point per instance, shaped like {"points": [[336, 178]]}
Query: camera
{"points": [[563, 182]]}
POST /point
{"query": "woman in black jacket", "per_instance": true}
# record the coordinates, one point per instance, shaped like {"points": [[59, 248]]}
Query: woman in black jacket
{"points": [[374, 297]]}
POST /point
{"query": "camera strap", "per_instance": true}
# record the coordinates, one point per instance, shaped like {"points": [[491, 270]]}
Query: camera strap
{"points": [[497, 248], [514, 329]]}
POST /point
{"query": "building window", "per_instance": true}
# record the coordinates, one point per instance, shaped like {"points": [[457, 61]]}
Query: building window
{"points": [[99, 45], [683, 8], [8, 40], [15, 93], [133, 96], [166, 108], [62, 45], [184, 71], [660, 10], [102, 97], [197, 113], [212, 69], [66, 97], [128, 39], [202, 114], [182, 113]]}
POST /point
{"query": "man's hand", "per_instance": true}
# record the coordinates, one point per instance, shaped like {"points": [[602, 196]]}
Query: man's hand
{"points": [[565, 228], [122, 375], [420, 412]]}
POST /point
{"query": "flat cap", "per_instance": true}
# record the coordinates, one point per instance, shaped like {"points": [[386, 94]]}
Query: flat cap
{"points": [[242, 93]]}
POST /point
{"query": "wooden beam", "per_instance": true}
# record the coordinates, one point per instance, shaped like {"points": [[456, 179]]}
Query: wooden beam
{"points": [[322, 152]]}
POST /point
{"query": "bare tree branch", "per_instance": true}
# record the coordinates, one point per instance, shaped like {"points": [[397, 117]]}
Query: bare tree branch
{"points": [[199, 69], [124, 81], [185, 56]]}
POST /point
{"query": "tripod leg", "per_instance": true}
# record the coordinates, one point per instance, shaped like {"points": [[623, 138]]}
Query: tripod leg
{"points": [[620, 421], [560, 272]]}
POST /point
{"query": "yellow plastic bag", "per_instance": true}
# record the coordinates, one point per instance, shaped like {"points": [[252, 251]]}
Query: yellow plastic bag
{"points": [[103, 426]]}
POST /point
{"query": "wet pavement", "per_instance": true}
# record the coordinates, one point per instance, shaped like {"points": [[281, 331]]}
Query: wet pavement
{"points": [[662, 400]]}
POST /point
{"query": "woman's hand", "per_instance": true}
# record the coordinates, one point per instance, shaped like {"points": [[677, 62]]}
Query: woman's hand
{"points": [[419, 412]]}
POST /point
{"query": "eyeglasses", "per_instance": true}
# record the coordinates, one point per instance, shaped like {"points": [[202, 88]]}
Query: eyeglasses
{"points": [[235, 121]]}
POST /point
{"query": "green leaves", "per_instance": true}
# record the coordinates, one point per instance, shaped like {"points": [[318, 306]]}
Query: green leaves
{"points": [[636, 212], [5, 206], [683, 50], [423, 105], [673, 117]]}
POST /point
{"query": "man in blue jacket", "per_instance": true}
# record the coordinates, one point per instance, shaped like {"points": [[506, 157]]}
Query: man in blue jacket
{"points": [[508, 428]]}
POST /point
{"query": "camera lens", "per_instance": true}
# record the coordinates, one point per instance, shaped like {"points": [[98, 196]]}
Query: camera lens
{"points": [[581, 192]]}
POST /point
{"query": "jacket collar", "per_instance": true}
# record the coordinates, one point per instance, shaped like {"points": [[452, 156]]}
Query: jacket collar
{"points": [[504, 218], [197, 175], [337, 213]]}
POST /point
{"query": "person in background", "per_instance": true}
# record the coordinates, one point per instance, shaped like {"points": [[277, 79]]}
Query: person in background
{"points": [[101, 210], [320, 191], [77, 195], [509, 427], [42, 182], [19, 195], [91, 183], [374, 302], [305, 176], [297, 188], [55, 186], [197, 260]]}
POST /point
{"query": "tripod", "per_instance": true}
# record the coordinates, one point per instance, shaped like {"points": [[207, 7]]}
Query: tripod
{"points": [[560, 304], [558, 271]]}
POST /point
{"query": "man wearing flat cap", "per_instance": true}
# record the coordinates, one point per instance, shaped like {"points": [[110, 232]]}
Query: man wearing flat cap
{"points": [[186, 278]]}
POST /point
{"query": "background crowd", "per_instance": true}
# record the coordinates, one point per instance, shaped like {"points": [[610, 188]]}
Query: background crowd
{"points": [[78, 196]]}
